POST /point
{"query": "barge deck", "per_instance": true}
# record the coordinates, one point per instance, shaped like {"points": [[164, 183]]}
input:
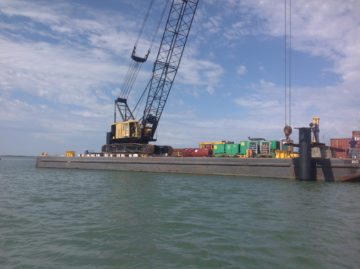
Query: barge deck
{"points": [[326, 169]]}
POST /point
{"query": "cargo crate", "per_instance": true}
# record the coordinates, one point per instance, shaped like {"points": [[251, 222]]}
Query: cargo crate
{"points": [[219, 150], [210, 145], [70, 153], [244, 145], [253, 145], [232, 149], [267, 148]]}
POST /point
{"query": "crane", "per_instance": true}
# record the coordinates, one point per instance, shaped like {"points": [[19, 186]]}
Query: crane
{"points": [[131, 135]]}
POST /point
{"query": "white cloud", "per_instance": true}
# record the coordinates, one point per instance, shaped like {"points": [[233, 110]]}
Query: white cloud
{"points": [[328, 29], [68, 76], [322, 29], [241, 70], [33, 11], [200, 74], [212, 25], [73, 68]]}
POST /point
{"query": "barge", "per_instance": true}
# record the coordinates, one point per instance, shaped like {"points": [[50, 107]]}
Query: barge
{"points": [[324, 169], [308, 166]]}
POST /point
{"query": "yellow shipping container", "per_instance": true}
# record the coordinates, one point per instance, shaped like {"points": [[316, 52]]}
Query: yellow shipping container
{"points": [[70, 153], [210, 145]]}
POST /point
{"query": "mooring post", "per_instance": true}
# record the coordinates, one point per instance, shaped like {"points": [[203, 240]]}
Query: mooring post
{"points": [[306, 168]]}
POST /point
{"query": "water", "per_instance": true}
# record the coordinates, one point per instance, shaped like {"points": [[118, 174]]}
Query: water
{"points": [[53, 218]]}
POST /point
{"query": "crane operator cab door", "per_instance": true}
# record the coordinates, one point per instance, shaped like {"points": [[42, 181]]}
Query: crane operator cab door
{"points": [[126, 129]]}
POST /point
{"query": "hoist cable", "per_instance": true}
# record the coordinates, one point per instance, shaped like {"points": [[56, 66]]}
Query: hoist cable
{"points": [[144, 22], [158, 25], [128, 79], [133, 78], [140, 101], [285, 64], [126, 82], [290, 62], [131, 75], [135, 66]]}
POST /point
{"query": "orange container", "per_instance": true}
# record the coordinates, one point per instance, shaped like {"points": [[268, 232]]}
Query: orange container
{"points": [[192, 152], [340, 143], [340, 147]]}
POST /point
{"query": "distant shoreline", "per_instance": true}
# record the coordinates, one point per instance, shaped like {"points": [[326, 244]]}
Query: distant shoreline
{"points": [[17, 156]]}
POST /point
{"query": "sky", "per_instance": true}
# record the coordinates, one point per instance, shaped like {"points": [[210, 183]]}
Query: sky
{"points": [[62, 64]]}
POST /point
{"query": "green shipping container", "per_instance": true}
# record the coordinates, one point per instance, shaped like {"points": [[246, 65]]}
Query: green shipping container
{"points": [[269, 147], [244, 145], [219, 150], [232, 149]]}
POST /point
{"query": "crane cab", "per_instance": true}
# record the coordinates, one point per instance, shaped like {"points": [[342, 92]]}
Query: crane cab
{"points": [[126, 130]]}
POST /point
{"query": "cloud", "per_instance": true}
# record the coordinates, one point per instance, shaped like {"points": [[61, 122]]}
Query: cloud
{"points": [[326, 29], [322, 29], [65, 70], [241, 70], [200, 74], [62, 69], [339, 115], [54, 72], [213, 25]]}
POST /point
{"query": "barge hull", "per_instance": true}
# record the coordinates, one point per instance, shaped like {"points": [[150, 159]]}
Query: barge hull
{"points": [[326, 170]]}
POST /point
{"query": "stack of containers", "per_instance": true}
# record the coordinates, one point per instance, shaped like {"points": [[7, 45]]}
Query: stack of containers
{"points": [[340, 146]]}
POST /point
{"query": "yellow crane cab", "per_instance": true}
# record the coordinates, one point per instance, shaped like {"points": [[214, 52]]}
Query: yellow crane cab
{"points": [[126, 129]]}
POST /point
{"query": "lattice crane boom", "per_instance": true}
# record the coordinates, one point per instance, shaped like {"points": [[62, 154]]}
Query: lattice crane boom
{"points": [[130, 134], [167, 62]]}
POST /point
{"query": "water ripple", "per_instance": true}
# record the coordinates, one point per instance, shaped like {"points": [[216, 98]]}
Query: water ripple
{"points": [[88, 219]]}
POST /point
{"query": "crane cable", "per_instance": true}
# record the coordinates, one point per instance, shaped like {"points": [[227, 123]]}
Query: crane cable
{"points": [[288, 62], [135, 65], [159, 24], [144, 22], [130, 78]]}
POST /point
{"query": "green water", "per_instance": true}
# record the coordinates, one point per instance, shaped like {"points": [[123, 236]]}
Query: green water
{"points": [[53, 218]]}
